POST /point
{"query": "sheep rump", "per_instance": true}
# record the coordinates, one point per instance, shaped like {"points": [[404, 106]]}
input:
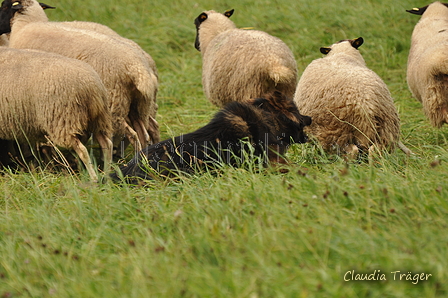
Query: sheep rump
{"points": [[351, 107], [241, 64], [427, 69]]}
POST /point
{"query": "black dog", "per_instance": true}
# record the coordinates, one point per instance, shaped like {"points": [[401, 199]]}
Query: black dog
{"points": [[267, 125]]}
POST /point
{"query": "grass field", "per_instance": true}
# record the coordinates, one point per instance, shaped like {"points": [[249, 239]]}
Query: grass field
{"points": [[243, 233]]}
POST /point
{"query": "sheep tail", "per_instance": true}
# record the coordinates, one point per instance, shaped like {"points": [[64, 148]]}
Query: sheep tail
{"points": [[281, 74], [101, 119], [435, 104], [144, 102]]}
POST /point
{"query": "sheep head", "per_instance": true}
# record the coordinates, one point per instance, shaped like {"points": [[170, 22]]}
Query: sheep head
{"points": [[7, 12], [218, 28], [10, 8], [355, 43], [435, 8]]}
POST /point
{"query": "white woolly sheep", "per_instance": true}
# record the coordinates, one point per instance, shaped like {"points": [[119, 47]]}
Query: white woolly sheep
{"points": [[131, 85], [48, 97], [238, 64], [146, 60], [350, 105], [427, 72]]}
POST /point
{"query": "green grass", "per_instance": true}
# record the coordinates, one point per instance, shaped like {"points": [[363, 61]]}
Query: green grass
{"points": [[242, 233]]}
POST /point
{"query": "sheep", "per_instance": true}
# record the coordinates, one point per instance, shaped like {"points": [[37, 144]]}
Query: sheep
{"points": [[48, 97], [131, 84], [146, 60], [350, 105], [268, 124], [427, 68], [241, 64]]}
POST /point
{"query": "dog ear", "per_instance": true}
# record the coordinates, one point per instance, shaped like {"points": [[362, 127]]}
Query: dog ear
{"points": [[229, 13]]}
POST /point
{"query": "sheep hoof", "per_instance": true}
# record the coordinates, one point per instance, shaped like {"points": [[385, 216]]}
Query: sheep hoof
{"points": [[405, 149], [351, 151]]}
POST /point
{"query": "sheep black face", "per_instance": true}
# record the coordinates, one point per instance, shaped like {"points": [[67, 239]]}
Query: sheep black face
{"points": [[7, 11], [265, 126], [198, 21]]}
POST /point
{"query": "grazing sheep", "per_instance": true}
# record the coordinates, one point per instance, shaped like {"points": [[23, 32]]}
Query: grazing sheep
{"points": [[350, 105], [269, 124], [131, 84], [146, 60], [48, 97], [239, 64], [427, 72]]}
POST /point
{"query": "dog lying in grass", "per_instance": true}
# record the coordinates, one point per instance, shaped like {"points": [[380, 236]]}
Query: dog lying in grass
{"points": [[263, 126]]}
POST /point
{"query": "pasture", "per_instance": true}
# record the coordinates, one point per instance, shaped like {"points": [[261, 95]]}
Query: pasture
{"points": [[304, 232]]}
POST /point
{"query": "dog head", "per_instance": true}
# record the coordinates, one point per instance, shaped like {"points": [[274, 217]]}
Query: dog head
{"points": [[286, 119]]}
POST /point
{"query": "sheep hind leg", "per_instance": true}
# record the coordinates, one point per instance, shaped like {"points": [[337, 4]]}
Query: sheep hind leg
{"points": [[445, 114], [142, 133], [106, 147], [154, 130], [83, 154], [405, 149], [133, 137]]}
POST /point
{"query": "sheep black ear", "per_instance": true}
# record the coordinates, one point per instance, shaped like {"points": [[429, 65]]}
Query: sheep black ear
{"points": [[46, 6], [418, 11], [357, 42], [202, 17], [229, 13], [325, 50], [16, 5]]}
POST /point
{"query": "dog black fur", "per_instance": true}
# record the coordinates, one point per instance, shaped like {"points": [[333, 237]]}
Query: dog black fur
{"points": [[268, 124]]}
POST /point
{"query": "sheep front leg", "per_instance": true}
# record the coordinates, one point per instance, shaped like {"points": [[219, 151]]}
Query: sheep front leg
{"points": [[83, 154], [154, 130]]}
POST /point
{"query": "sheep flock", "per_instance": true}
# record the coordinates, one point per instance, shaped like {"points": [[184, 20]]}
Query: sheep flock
{"points": [[66, 83]]}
